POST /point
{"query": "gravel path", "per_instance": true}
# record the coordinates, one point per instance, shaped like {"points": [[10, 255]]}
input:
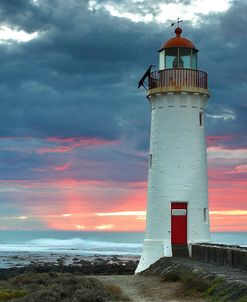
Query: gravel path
{"points": [[147, 289]]}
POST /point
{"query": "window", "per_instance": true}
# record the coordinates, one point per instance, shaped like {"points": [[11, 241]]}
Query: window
{"points": [[150, 161], [205, 214], [201, 118]]}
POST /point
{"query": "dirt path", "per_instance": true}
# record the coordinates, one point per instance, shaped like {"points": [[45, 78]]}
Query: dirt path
{"points": [[147, 289]]}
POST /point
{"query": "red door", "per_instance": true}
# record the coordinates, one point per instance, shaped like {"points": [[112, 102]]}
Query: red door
{"points": [[179, 223]]}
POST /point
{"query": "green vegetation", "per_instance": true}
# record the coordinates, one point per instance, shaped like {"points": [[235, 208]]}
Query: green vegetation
{"points": [[194, 285], [7, 294], [214, 286], [171, 277], [221, 291], [116, 292], [56, 287], [242, 299], [191, 283]]}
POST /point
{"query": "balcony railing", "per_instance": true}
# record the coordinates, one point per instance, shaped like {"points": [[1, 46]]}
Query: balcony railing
{"points": [[180, 77]]}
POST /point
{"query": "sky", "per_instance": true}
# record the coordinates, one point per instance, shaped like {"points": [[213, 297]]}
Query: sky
{"points": [[74, 128]]}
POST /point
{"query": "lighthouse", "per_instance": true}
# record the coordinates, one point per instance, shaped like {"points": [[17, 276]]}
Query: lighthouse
{"points": [[177, 202]]}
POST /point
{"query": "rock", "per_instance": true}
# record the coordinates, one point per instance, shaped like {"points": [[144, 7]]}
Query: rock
{"points": [[85, 267], [225, 283]]}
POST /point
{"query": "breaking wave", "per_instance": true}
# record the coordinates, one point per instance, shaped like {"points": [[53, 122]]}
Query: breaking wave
{"points": [[73, 245]]}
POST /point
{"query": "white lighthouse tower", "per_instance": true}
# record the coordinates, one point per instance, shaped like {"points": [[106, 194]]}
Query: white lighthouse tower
{"points": [[177, 208]]}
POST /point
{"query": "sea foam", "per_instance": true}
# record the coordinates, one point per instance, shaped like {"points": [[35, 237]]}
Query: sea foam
{"points": [[73, 245]]}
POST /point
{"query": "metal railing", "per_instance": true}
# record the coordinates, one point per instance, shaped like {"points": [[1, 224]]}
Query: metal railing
{"points": [[180, 77]]}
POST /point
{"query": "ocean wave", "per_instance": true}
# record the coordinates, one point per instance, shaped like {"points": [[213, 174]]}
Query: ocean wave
{"points": [[73, 245], [78, 242]]}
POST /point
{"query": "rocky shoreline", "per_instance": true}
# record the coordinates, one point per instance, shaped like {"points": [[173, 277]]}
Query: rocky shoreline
{"points": [[91, 265]]}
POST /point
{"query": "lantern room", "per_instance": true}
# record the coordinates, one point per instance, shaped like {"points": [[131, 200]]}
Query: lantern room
{"points": [[178, 52]]}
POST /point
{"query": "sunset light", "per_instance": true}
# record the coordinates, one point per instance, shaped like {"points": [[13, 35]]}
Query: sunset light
{"points": [[104, 227], [123, 213], [75, 130], [123, 149]]}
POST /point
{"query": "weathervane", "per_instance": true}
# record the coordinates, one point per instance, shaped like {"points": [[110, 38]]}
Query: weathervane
{"points": [[178, 21]]}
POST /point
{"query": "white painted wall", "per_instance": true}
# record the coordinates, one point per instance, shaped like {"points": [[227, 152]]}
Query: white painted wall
{"points": [[178, 172]]}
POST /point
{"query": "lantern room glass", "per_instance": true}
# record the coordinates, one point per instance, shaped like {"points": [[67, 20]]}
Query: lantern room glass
{"points": [[180, 57]]}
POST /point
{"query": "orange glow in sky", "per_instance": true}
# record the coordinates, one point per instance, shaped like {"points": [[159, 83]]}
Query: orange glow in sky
{"points": [[86, 206], [106, 205]]}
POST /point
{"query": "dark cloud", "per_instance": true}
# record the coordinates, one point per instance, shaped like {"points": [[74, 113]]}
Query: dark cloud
{"points": [[20, 14], [78, 78], [73, 80], [220, 38]]}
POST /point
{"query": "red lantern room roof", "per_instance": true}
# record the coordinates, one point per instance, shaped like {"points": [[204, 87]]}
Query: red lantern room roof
{"points": [[178, 41]]}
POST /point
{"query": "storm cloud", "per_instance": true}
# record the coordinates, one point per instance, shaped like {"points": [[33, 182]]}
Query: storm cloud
{"points": [[77, 79]]}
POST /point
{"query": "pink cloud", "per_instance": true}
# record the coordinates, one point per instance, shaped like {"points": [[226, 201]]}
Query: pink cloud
{"points": [[80, 141], [228, 196], [61, 149], [82, 199], [220, 150], [216, 140], [238, 169], [62, 167], [226, 166], [68, 144], [55, 183], [223, 223]]}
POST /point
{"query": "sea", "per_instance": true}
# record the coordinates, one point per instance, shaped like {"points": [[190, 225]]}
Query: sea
{"points": [[13, 244]]}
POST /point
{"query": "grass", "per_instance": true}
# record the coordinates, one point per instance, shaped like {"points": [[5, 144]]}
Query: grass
{"points": [[171, 277], [56, 287], [193, 285], [7, 294], [116, 292], [219, 291]]}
